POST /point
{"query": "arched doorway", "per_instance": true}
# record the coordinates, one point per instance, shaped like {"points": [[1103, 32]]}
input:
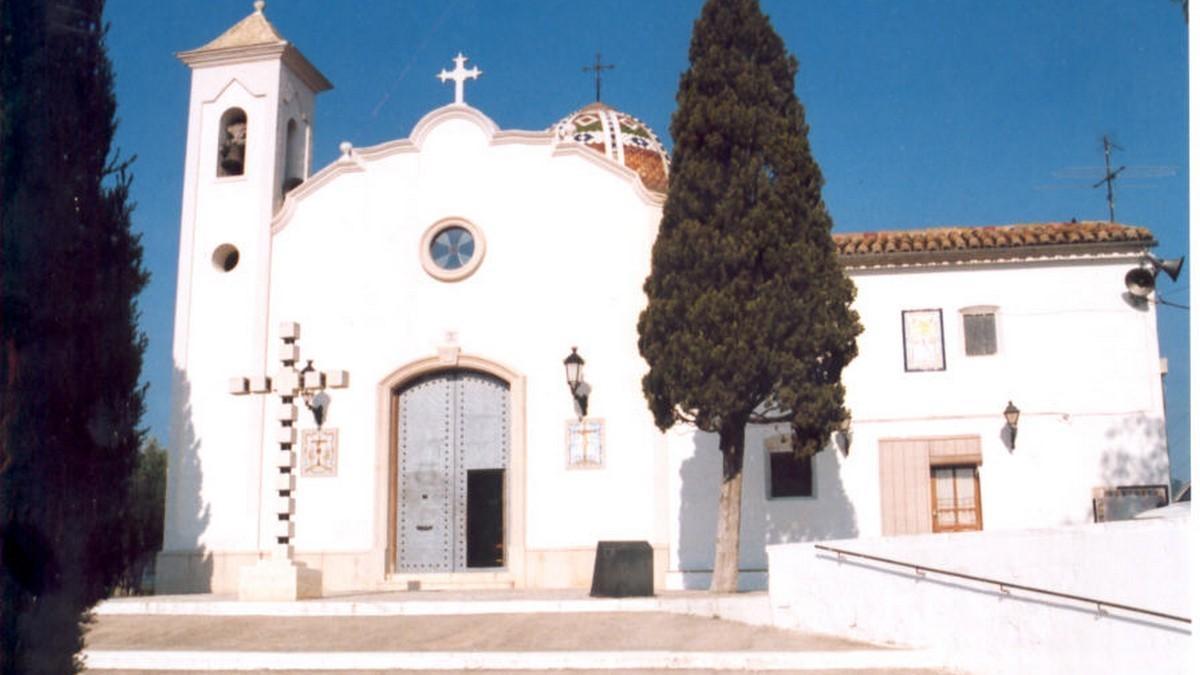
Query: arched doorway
{"points": [[452, 441]]}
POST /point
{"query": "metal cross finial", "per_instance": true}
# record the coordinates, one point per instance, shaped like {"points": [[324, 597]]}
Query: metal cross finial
{"points": [[460, 75], [597, 68]]}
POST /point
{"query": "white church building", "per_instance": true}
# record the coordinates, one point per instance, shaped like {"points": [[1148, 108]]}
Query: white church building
{"points": [[424, 279]]}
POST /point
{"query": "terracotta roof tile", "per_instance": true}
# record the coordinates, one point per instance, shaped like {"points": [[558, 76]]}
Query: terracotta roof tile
{"points": [[948, 240]]}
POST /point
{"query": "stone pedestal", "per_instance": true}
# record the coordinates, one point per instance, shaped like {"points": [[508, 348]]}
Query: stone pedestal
{"points": [[278, 580], [623, 569]]}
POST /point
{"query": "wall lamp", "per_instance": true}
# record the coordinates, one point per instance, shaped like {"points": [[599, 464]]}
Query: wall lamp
{"points": [[843, 436], [1141, 280], [579, 389], [1011, 415], [312, 390]]}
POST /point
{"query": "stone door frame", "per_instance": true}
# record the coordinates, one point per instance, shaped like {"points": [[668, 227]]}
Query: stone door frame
{"points": [[386, 457]]}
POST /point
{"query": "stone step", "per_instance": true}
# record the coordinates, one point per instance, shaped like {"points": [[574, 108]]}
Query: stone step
{"points": [[842, 661], [478, 581]]}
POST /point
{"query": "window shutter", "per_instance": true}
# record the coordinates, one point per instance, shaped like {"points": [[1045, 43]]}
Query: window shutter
{"points": [[980, 333]]}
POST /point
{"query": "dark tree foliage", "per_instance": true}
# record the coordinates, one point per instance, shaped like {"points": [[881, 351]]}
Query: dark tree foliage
{"points": [[144, 524], [749, 317], [70, 351]]}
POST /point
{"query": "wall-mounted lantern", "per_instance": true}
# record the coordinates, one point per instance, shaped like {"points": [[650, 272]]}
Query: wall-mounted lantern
{"points": [[312, 390], [579, 389], [1011, 415], [843, 436]]}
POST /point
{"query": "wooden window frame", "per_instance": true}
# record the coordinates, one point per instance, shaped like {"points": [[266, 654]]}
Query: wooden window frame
{"points": [[933, 509]]}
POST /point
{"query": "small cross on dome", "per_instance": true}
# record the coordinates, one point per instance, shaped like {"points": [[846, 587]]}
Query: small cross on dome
{"points": [[460, 75]]}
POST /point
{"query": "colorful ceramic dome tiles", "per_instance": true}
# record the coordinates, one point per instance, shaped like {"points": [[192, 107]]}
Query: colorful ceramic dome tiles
{"points": [[622, 138]]}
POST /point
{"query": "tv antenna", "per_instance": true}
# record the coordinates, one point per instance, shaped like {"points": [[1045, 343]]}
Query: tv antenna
{"points": [[598, 67], [1110, 176]]}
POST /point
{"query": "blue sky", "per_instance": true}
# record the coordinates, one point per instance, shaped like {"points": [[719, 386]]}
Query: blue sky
{"points": [[922, 113]]}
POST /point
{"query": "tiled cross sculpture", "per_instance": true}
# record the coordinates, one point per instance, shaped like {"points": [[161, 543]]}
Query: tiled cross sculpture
{"points": [[288, 383]]}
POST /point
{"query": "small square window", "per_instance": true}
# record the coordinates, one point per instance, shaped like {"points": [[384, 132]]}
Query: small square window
{"points": [[791, 476], [979, 333]]}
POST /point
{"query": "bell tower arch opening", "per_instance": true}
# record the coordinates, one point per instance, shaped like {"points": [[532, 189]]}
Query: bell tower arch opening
{"points": [[231, 150], [293, 159]]}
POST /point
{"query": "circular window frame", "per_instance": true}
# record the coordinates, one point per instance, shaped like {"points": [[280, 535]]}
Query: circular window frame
{"points": [[432, 268]]}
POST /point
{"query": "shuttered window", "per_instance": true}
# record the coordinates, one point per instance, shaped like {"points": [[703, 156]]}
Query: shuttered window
{"points": [[979, 333]]}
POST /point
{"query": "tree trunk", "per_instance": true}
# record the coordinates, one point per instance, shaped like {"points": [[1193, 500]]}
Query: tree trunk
{"points": [[729, 509]]}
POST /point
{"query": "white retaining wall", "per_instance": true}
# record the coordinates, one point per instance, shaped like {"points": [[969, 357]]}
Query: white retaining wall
{"points": [[982, 629]]}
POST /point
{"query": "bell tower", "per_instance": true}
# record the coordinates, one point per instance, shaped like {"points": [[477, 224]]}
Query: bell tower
{"points": [[249, 139]]}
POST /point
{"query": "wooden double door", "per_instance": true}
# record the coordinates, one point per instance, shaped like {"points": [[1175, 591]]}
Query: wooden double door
{"points": [[452, 453]]}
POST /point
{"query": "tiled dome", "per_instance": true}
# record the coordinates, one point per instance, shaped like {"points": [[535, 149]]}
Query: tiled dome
{"points": [[622, 138]]}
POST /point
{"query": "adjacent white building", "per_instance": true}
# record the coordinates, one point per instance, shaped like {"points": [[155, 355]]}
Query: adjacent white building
{"points": [[439, 281]]}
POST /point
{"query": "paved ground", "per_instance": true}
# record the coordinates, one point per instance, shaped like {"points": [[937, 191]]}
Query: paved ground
{"points": [[488, 632], [643, 631], [903, 671], [573, 671]]}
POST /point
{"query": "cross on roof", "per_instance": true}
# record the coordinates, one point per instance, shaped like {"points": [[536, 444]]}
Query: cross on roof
{"points": [[459, 75], [597, 68], [1110, 176]]}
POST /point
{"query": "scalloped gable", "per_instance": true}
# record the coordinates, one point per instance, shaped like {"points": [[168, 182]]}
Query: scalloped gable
{"points": [[455, 111]]}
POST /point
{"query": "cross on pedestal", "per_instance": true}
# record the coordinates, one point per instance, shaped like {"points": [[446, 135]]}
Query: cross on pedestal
{"points": [[459, 75], [288, 383]]}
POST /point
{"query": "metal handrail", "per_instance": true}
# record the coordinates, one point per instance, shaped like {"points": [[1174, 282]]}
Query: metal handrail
{"points": [[1005, 586]]}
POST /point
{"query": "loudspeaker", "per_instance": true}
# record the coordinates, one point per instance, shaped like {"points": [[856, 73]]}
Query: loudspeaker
{"points": [[1171, 267], [1140, 282], [623, 569]]}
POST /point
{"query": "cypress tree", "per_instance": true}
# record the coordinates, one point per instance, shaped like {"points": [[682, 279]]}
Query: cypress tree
{"points": [[70, 350], [748, 317]]}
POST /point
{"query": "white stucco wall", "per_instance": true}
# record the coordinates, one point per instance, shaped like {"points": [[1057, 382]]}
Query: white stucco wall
{"points": [[220, 323], [559, 271], [1073, 355], [568, 238], [982, 629]]}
